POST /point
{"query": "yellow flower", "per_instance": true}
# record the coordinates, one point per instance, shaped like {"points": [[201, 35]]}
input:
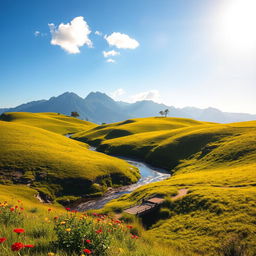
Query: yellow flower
{"points": [[63, 222], [50, 254], [68, 229]]}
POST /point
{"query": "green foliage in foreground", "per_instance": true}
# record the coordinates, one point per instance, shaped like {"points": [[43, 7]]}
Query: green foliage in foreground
{"points": [[55, 231], [215, 162], [57, 165]]}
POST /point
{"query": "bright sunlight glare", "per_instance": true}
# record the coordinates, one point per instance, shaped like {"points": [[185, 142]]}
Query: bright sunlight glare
{"points": [[238, 26]]}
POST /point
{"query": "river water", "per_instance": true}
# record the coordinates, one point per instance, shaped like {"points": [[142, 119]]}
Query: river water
{"points": [[148, 174]]}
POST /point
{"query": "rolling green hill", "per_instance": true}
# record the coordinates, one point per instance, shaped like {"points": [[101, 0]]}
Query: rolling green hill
{"points": [[53, 164], [53, 122], [215, 162]]}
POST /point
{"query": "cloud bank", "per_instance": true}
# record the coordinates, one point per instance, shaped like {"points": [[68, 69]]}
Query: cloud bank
{"points": [[71, 36]]}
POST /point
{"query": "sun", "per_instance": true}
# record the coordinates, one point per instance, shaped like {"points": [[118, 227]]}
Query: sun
{"points": [[237, 25]]}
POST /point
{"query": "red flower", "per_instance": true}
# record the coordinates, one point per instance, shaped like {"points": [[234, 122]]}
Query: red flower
{"points": [[49, 209], [56, 217], [19, 230], [87, 251], [68, 209], [99, 231], [129, 226], [16, 206], [74, 211], [2, 239], [21, 208], [17, 246], [134, 237], [88, 241], [12, 209], [29, 246]]}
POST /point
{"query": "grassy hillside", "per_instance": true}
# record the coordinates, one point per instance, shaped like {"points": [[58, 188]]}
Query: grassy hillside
{"points": [[50, 228], [133, 126], [56, 165], [216, 162], [57, 123]]}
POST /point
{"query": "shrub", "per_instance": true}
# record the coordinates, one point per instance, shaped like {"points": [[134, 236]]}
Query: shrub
{"points": [[75, 234], [233, 247], [10, 215]]}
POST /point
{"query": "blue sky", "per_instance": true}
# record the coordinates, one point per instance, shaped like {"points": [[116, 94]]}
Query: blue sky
{"points": [[180, 52]]}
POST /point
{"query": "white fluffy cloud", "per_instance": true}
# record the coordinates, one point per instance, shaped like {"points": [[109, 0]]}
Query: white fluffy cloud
{"points": [[37, 33], [117, 93], [153, 95], [98, 33], [121, 41], [110, 61], [71, 36], [110, 53]]}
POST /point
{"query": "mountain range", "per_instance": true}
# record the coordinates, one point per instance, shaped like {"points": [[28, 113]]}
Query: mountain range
{"points": [[100, 108]]}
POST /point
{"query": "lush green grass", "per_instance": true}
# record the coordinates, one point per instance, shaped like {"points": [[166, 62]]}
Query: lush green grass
{"points": [[57, 123], [57, 165], [216, 162], [133, 126], [38, 223]]}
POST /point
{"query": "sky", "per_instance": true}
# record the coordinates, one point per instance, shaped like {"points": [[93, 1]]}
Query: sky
{"points": [[199, 53]]}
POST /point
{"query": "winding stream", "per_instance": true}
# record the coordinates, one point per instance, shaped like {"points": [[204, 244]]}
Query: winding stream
{"points": [[148, 174]]}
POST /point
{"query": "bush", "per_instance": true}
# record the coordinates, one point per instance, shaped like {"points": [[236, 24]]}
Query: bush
{"points": [[233, 247], [11, 215], [76, 234]]}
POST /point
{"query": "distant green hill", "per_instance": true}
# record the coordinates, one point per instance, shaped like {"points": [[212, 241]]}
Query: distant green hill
{"points": [[53, 122], [215, 162], [53, 164]]}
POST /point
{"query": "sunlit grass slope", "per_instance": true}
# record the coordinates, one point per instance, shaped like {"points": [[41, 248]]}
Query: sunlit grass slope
{"points": [[38, 221], [185, 143], [216, 162], [56, 165], [54, 122], [133, 126]]}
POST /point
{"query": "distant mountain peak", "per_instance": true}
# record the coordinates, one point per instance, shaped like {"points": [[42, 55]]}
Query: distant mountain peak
{"points": [[99, 107], [66, 96], [98, 96]]}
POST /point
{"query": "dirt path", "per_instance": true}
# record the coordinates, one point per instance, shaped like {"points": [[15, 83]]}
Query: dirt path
{"points": [[181, 192]]}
